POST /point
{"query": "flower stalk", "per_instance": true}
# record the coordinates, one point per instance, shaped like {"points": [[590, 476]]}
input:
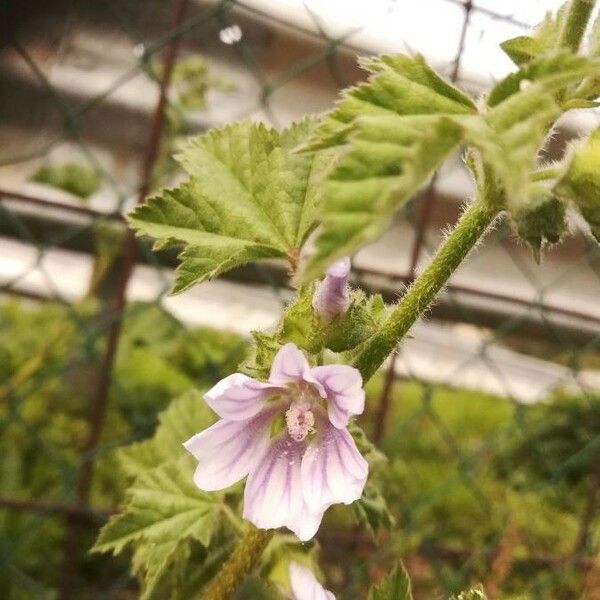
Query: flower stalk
{"points": [[473, 224], [242, 561], [578, 15]]}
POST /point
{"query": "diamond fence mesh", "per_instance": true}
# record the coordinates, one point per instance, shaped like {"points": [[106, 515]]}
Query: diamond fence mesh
{"points": [[489, 413]]}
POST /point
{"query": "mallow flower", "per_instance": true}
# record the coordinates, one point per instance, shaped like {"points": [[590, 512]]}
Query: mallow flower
{"points": [[332, 296], [289, 436], [305, 585]]}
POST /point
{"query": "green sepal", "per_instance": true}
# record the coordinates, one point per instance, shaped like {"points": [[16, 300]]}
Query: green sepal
{"points": [[301, 325], [542, 220], [581, 181]]}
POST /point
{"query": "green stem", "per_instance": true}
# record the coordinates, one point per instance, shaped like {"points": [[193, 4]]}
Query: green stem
{"points": [[548, 173], [243, 559], [575, 23], [476, 219]]}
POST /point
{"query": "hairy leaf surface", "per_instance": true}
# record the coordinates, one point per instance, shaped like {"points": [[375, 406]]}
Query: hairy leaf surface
{"points": [[249, 196]]}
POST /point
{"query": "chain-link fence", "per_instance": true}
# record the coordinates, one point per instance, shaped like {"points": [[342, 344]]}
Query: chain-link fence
{"points": [[488, 413]]}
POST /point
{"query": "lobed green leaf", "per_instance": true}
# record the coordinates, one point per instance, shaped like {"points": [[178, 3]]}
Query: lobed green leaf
{"points": [[249, 196], [395, 586], [399, 128]]}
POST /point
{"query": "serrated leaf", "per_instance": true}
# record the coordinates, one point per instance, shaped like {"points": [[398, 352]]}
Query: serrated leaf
{"points": [[511, 133], [395, 586], [249, 196], [543, 39], [186, 415], [163, 505], [151, 562], [398, 85], [398, 131], [554, 71], [581, 181]]}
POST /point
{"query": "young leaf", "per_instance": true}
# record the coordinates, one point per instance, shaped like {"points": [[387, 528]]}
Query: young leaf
{"points": [[542, 40], [581, 181], [395, 586], [399, 129], [163, 505], [511, 133], [398, 85], [249, 196]]}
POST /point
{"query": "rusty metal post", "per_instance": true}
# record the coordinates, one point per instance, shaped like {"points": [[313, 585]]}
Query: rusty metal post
{"points": [[127, 260]]}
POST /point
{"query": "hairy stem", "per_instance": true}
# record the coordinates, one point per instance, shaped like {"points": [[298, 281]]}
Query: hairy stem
{"points": [[243, 559], [474, 222], [578, 15]]}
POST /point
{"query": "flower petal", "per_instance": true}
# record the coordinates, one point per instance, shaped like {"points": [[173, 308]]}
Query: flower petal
{"points": [[239, 397], [274, 497], [305, 585], [227, 450], [333, 470], [290, 365], [343, 387]]}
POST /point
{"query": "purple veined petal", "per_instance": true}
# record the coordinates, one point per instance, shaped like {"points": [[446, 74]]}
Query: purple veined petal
{"points": [[343, 387], [228, 450], [290, 366], [305, 585], [332, 296], [306, 523], [274, 497], [239, 397], [333, 470]]}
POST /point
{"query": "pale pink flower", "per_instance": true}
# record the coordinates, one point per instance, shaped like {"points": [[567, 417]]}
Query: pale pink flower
{"points": [[290, 436], [305, 585], [332, 296]]}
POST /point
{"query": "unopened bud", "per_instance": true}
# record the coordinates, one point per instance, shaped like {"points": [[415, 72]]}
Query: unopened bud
{"points": [[332, 296]]}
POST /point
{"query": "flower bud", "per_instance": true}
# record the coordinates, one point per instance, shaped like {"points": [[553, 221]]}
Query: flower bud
{"points": [[332, 296]]}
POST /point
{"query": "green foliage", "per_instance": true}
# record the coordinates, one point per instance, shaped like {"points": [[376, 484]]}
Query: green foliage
{"points": [[301, 325], [398, 128], [164, 511], [543, 39], [48, 359], [192, 80], [581, 182], [511, 132], [249, 196], [395, 586], [556, 440], [80, 180]]}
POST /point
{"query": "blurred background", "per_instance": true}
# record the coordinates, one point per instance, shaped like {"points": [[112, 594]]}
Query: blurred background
{"points": [[489, 413]]}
